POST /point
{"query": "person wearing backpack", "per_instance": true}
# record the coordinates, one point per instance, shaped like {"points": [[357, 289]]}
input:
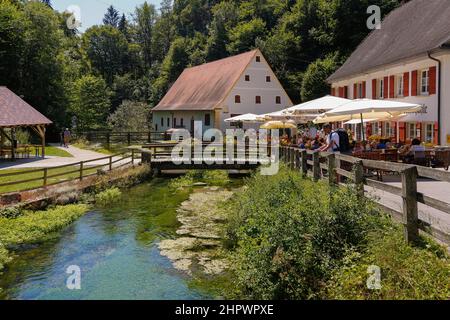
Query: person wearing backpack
{"points": [[333, 140]]}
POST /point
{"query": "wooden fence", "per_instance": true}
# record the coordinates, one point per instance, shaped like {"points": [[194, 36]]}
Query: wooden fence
{"points": [[110, 137], [43, 177], [323, 165]]}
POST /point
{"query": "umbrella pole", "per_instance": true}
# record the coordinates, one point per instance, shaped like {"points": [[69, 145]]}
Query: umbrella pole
{"points": [[362, 129]]}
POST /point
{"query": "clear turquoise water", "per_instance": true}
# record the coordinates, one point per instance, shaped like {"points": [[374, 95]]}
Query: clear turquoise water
{"points": [[116, 249]]}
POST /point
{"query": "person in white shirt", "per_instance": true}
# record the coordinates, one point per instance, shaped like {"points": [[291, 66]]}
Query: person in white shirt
{"points": [[332, 142]]}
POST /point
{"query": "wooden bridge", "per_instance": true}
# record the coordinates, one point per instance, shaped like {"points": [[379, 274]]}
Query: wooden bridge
{"points": [[160, 157]]}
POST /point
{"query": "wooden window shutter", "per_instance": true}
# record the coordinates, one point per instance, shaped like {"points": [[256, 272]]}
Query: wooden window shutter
{"points": [[414, 83], [341, 92], [386, 87], [363, 90], [433, 80], [346, 92], [436, 133], [391, 86], [406, 84], [374, 88], [419, 129], [402, 131], [355, 91], [394, 131], [333, 91]]}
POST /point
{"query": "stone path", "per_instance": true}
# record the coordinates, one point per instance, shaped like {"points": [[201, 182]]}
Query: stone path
{"points": [[52, 161]]}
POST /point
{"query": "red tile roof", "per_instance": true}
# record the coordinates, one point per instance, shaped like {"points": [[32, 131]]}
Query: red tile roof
{"points": [[16, 112], [204, 87]]}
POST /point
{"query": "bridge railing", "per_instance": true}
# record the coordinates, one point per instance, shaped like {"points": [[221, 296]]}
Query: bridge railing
{"points": [[339, 167], [121, 137]]}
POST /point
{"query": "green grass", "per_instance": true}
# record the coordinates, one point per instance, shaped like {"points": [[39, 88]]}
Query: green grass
{"points": [[113, 149], [56, 152], [66, 175]]}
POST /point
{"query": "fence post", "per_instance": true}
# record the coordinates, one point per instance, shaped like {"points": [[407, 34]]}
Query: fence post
{"points": [[129, 138], [331, 169], [297, 159], [108, 140], [292, 158], [45, 176], [410, 210], [304, 163], [149, 137], [81, 170], [132, 156], [316, 166], [110, 163], [359, 177]]}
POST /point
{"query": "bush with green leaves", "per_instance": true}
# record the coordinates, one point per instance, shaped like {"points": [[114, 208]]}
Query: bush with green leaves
{"points": [[291, 239], [10, 212], [108, 196], [210, 177]]}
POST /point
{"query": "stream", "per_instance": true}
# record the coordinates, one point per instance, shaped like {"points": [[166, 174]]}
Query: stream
{"points": [[116, 249]]}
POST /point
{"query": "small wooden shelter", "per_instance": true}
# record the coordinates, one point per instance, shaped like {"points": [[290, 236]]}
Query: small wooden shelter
{"points": [[16, 113]]}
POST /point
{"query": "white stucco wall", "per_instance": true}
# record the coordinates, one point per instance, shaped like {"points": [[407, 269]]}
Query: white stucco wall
{"points": [[430, 101], [257, 86], [187, 116]]}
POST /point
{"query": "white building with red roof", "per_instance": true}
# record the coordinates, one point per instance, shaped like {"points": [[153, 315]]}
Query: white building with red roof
{"points": [[219, 90]]}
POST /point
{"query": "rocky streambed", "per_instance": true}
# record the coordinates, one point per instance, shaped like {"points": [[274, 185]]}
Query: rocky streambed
{"points": [[199, 246]]}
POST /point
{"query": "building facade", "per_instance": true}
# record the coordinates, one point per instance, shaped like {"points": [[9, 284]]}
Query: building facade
{"points": [[222, 89], [407, 60]]}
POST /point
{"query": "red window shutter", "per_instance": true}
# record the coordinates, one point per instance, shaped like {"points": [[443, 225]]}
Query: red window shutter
{"points": [[433, 80], [374, 88], [333, 91], [391, 86], [386, 87], [394, 131], [346, 92], [363, 90], [436, 133], [402, 131], [406, 84], [341, 92], [414, 83], [355, 91], [419, 129], [369, 129]]}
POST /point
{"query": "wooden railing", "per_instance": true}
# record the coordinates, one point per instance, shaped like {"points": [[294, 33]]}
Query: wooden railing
{"points": [[43, 177], [339, 167], [128, 137]]}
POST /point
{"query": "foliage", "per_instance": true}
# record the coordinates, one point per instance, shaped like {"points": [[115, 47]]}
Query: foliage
{"points": [[130, 116], [10, 212], [210, 177], [90, 102], [108, 196], [411, 273], [111, 17], [324, 226], [33, 227]]}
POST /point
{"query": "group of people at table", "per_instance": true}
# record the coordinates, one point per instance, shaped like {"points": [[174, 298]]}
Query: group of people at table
{"points": [[328, 140]]}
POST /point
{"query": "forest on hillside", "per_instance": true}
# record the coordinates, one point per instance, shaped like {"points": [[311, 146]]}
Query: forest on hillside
{"points": [[109, 76]]}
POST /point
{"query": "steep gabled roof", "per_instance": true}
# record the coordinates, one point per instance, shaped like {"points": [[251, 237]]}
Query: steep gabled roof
{"points": [[204, 87], [16, 112], [409, 31]]}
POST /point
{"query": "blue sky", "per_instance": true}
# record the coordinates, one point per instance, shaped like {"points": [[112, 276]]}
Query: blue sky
{"points": [[92, 11]]}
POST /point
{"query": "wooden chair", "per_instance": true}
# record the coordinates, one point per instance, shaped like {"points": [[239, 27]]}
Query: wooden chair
{"points": [[390, 155]]}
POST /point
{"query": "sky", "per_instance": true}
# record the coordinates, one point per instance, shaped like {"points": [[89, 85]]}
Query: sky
{"points": [[92, 11]]}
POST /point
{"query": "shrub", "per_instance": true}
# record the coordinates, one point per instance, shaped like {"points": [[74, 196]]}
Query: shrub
{"points": [[211, 177], [289, 233], [10, 212], [108, 196], [406, 272]]}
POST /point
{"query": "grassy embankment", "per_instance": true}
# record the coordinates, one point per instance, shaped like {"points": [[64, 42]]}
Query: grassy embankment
{"points": [[291, 238]]}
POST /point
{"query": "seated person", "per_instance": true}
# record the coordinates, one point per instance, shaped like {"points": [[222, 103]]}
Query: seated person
{"points": [[381, 145], [408, 151]]}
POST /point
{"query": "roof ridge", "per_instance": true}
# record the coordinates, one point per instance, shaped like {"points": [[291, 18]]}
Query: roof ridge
{"points": [[222, 59]]}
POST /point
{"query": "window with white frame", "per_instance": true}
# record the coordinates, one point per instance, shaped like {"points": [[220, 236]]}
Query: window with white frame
{"points": [[425, 82], [360, 90], [429, 132], [412, 130], [400, 86], [381, 89], [375, 128]]}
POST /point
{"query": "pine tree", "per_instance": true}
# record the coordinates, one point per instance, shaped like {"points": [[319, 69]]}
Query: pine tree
{"points": [[111, 17]]}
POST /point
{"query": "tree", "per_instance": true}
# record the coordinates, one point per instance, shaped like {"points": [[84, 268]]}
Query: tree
{"points": [[90, 102], [163, 31], [130, 116], [314, 83], [111, 17], [145, 17], [243, 37], [107, 50], [123, 26]]}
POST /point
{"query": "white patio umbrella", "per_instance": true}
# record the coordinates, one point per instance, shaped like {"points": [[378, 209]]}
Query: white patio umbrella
{"points": [[314, 106], [369, 109], [248, 117]]}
